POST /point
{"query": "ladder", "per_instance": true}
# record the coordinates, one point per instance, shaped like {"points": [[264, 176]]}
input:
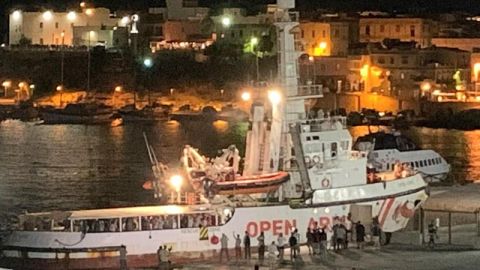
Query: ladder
{"points": [[300, 157]]}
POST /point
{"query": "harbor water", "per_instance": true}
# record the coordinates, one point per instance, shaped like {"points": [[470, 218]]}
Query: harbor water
{"points": [[62, 167]]}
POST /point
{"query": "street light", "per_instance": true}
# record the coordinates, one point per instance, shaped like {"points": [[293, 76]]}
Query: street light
{"points": [[226, 21], [147, 62], [246, 96], [6, 85], [83, 4], [60, 89], [89, 11], [118, 89]]}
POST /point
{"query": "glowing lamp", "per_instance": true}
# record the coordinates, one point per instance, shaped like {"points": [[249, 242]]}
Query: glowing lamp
{"points": [[7, 83], [322, 45], [125, 20], [226, 21], [246, 96], [47, 15], [71, 16], [254, 41], [59, 88], [89, 11], [147, 62], [16, 15], [426, 86], [274, 97], [118, 89], [176, 182]]}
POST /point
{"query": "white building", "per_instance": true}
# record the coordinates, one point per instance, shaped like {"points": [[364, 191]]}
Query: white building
{"points": [[55, 28]]}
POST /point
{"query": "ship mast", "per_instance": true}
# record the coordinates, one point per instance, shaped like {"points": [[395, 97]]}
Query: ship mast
{"points": [[269, 145]]}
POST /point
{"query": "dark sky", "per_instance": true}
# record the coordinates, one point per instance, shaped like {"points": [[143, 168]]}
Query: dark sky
{"points": [[402, 6]]}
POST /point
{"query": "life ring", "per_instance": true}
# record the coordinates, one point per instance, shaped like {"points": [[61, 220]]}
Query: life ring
{"points": [[214, 240], [325, 182]]}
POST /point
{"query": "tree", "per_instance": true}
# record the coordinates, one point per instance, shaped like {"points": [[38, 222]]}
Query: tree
{"points": [[24, 41]]}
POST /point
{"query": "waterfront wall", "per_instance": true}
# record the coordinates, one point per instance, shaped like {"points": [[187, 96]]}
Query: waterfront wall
{"points": [[358, 100]]}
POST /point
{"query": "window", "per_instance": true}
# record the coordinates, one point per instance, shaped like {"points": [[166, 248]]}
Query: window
{"points": [[240, 33], [412, 30], [382, 28], [302, 33], [381, 60], [313, 33], [324, 34], [56, 25], [392, 60], [309, 138], [334, 149], [416, 164], [397, 28], [41, 41], [337, 66], [41, 25], [316, 138], [367, 30], [404, 60]]}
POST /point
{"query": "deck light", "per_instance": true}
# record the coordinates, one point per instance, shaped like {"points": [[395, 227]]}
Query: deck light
{"points": [[176, 182], [274, 97], [71, 16], [16, 15], [226, 21]]}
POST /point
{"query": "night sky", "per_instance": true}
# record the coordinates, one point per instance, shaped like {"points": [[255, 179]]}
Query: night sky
{"points": [[400, 6]]}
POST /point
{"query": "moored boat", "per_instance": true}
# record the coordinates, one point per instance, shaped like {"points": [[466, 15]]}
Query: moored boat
{"points": [[78, 113], [388, 150]]}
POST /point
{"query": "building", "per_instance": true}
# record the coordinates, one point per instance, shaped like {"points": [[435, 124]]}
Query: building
{"points": [[398, 68], [106, 36], [404, 29], [466, 44], [325, 38], [55, 28], [328, 71], [235, 26], [185, 9]]}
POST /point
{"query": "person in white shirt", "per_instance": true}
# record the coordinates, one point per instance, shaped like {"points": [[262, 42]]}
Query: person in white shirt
{"points": [[272, 254], [281, 246], [223, 246]]}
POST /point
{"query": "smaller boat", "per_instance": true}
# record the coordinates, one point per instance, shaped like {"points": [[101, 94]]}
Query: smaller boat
{"points": [[230, 113], [186, 113], [155, 112], [78, 113], [387, 151]]}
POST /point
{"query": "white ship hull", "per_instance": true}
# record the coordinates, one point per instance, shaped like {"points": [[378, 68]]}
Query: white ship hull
{"points": [[428, 162], [141, 246]]}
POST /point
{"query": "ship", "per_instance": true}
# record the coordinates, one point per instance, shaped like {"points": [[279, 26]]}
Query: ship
{"points": [[327, 182], [390, 149]]}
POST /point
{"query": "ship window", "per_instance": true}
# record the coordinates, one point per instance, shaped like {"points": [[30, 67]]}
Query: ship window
{"points": [[334, 149], [197, 220], [388, 166], [411, 164], [316, 138], [429, 162], [309, 138], [416, 164], [344, 145]]}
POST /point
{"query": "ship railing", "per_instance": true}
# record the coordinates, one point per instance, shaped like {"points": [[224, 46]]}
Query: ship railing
{"points": [[321, 124], [308, 91], [290, 16]]}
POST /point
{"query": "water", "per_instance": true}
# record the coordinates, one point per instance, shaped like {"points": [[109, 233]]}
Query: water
{"points": [[63, 167]]}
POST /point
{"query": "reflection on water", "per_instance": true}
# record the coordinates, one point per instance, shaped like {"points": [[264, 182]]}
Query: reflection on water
{"points": [[45, 167], [459, 148]]}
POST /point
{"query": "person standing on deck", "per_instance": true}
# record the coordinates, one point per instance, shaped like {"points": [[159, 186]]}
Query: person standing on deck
{"points": [[223, 246], [238, 247], [297, 246], [261, 247], [246, 244], [272, 250]]}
